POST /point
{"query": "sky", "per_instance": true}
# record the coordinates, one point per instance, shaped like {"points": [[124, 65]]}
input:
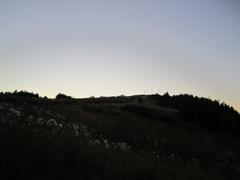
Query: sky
{"points": [[112, 47]]}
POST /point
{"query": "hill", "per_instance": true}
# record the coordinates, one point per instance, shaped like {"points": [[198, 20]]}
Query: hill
{"points": [[124, 137]]}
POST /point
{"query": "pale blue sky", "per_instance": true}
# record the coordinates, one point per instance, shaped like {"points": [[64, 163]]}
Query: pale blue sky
{"points": [[110, 47]]}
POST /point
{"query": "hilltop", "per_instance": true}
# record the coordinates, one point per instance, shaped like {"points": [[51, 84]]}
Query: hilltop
{"points": [[125, 137]]}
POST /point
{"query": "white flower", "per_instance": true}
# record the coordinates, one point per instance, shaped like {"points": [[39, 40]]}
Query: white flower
{"points": [[96, 142], [75, 127], [17, 113], [124, 146], [51, 122], [39, 120], [105, 142]]}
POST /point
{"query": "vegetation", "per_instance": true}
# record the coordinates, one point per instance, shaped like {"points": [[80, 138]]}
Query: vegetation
{"points": [[63, 96], [212, 115], [25, 94], [126, 137]]}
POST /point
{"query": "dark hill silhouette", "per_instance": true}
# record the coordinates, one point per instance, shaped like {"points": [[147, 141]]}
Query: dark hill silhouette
{"points": [[125, 137]]}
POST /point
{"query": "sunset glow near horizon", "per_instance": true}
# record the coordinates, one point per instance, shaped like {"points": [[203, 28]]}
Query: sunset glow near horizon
{"points": [[105, 48]]}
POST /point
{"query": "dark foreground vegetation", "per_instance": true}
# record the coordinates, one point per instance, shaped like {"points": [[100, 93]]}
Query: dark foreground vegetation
{"points": [[127, 137]]}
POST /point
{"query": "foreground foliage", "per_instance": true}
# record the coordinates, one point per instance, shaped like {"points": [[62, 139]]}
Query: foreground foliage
{"points": [[137, 137]]}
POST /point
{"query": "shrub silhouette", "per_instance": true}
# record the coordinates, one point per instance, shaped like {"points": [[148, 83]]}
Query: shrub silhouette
{"points": [[25, 94], [212, 115], [62, 96]]}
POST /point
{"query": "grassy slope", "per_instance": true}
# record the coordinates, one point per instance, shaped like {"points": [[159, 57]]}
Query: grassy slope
{"points": [[120, 138]]}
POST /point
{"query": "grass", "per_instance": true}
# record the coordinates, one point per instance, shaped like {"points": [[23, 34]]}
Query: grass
{"points": [[162, 144], [46, 156]]}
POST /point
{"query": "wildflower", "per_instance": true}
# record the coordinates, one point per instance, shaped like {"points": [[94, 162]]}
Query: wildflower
{"points": [[124, 146], [51, 122], [75, 127], [39, 120], [17, 113], [94, 142], [105, 142]]}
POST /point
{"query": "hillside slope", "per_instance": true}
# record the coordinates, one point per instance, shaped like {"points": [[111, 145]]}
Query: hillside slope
{"points": [[135, 137]]}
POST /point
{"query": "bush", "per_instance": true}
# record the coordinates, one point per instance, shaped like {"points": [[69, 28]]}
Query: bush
{"points": [[25, 94], [62, 96], [212, 115]]}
